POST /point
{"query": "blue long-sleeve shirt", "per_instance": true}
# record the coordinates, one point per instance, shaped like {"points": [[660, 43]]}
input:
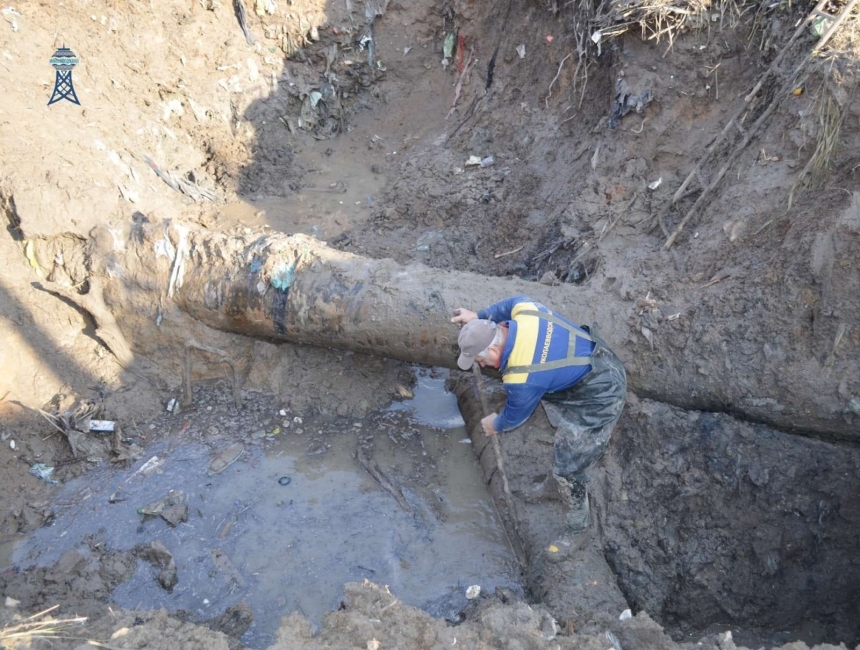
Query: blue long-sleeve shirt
{"points": [[533, 340]]}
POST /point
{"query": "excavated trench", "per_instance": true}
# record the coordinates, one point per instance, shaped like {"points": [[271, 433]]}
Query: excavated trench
{"points": [[704, 519], [706, 522]]}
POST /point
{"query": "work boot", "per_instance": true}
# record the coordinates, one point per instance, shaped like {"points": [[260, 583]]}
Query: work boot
{"points": [[574, 495]]}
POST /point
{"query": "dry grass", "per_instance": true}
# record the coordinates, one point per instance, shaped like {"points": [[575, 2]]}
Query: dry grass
{"points": [[829, 117], [39, 626], [594, 24]]}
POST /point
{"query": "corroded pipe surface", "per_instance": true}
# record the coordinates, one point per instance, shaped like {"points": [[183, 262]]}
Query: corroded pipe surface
{"points": [[295, 288]]}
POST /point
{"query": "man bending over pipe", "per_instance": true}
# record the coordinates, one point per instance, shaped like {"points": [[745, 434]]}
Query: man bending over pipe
{"points": [[543, 356]]}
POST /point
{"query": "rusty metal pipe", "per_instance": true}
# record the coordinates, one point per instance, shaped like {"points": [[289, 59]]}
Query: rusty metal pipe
{"points": [[295, 288]]}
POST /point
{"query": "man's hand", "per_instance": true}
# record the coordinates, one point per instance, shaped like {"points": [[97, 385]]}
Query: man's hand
{"points": [[487, 424], [463, 316]]}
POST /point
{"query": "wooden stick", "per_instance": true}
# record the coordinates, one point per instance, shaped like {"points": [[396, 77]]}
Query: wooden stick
{"points": [[618, 218], [511, 252], [377, 475], [785, 49], [749, 136], [500, 467]]}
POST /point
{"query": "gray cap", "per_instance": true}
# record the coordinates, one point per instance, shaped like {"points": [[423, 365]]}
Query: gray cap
{"points": [[475, 337]]}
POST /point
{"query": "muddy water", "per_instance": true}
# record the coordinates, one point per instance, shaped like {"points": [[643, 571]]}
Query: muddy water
{"points": [[284, 548]]}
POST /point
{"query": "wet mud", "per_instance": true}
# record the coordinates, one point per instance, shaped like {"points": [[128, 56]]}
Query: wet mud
{"points": [[702, 521], [281, 516]]}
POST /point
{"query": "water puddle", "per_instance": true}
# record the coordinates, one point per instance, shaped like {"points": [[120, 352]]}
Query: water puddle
{"points": [[297, 516]]}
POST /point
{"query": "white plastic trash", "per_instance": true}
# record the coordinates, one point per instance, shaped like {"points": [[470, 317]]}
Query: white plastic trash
{"points": [[473, 592]]}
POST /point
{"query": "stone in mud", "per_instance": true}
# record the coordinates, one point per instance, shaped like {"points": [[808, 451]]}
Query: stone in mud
{"points": [[234, 621], [158, 556], [225, 565], [31, 517], [226, 458], [67, 567], [172, 508]]}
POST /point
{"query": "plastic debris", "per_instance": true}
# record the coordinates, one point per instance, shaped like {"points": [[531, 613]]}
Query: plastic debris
{"points": [[285, 480], [253, 70], [10, 14], [12, 445], [821, 24], [616, 644], [550, 39], [42, 471], [406, 50], [102, 426], [466, 441], [366, 40], [548, 627], [473, 161], [147, 468], [625, 615], [404, 392], [315, 98], [486, 162], [11, 603], [171, 405], [448, 46], [626, 100], [181, 185], [241, 14], [117, 497], [521, 50], [655, 184], [596, 37], [297, 420], [282, 277], [473, 592]]}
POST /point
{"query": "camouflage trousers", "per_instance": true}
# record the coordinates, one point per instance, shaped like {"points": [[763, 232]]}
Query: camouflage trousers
{"points": [[585, 414]]}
